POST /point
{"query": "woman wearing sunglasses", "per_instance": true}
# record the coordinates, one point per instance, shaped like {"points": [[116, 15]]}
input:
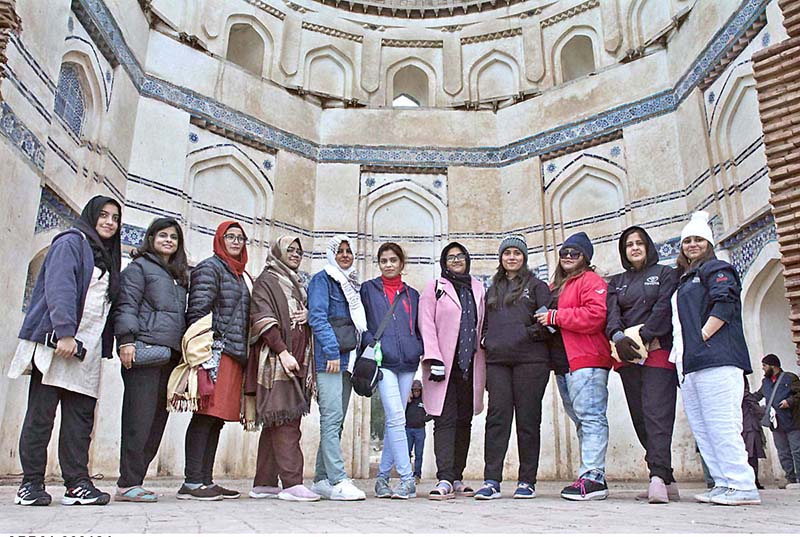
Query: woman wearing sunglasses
{"points": [[581, 318]]}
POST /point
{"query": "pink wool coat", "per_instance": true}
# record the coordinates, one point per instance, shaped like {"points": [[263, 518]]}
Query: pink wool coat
{"points": [[439, 322]]}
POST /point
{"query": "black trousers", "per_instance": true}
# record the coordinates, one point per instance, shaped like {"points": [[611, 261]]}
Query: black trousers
{"points": [[451, 430], [202, 438], [514, 390], [144, 417], [651, 394], [77, 421]]}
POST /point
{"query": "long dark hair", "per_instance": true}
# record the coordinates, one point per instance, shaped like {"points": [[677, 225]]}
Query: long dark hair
{"points": [[505, 291], [177, 266], [684, 264], [560, 277]]}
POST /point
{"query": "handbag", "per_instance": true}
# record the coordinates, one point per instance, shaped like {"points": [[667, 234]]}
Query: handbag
{"points": [[367, 370], [148, 355], [345, 332], [770, 418]]}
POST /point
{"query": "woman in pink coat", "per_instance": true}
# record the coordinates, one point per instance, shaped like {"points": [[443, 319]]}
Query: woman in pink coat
{"points": [[453, 367]]}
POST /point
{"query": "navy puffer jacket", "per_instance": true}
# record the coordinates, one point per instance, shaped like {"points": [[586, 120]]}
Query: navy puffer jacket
{"points": [[215, 288]]}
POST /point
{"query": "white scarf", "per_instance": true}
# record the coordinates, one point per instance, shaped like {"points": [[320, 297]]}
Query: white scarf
{"points": [[348, 280]]}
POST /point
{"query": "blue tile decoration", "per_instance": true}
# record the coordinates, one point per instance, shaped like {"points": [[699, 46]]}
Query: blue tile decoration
{"points": [[193, 137], [19, 135], [108, 75], [132, 235], [748, 242], [267, 165], [544, 142], [551, 167], [370, 182], [711, 97], [54, 212], [616, 151], [70, 25], [765, 39], [437, 183], [69, 103]]}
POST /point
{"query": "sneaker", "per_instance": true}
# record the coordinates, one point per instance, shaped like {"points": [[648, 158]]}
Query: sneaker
{"points": [[584, 490], [673, 494], [706, 496], [30, 493], [264, 493], [463, 490], [346, 491], [382, 488], [202, 493], [737, 497], [490, 490], [405, 490], [298, 493], [657, 491], [85, 493], [322, 488], [525, 491], [227, 494], [793, 486]]}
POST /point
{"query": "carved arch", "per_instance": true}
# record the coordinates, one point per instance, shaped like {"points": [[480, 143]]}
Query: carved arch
{"points": [[488, 61], [93, 90], [258, 27], [420, 64], [556, 60], [334, 55]]}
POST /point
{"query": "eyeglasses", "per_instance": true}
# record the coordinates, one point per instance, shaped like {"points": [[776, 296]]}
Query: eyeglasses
{"points": [[569, 254], [294, 250], [457, 257], [235, 238]]}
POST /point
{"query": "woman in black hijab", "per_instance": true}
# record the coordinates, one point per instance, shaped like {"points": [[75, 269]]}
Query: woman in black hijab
{"points": [[63, 338]]}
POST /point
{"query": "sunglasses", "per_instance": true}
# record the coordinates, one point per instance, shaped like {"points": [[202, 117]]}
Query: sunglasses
{"points": [[569, 253]]}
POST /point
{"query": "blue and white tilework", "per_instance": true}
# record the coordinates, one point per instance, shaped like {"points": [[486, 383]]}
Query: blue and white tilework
{"points": [[745, 245], [433, 183], [19, 135], [611, 153]]}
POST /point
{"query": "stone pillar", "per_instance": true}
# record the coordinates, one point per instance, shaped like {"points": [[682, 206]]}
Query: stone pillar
{"points": [[290, 49], [777, 73], [451, 56]]}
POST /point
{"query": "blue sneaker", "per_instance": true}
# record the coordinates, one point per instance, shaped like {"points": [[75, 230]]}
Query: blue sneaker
{"points": [[489, 491], [525, 491]]}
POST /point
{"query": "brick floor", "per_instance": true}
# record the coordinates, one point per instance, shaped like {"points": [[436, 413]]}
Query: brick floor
{"points": [[621, 513]]}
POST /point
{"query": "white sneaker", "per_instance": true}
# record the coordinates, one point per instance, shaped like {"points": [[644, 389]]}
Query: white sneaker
{"points": [[793, 486], [323, 488], [346, 491]]}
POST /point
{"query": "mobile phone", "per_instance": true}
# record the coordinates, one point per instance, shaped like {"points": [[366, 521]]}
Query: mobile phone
{"points": [[550, 329], [50, 340]]}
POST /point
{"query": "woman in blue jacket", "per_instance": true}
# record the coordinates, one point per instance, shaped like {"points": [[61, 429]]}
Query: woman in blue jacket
{"points": [[401, 345], [711, 353], [334, 300], [70, 304]]}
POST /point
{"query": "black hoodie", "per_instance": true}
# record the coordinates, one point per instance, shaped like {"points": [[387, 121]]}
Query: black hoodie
{"points": [[643, 296]]}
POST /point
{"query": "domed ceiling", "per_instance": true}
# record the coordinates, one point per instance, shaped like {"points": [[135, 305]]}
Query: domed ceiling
{"points": [[419, 8]]}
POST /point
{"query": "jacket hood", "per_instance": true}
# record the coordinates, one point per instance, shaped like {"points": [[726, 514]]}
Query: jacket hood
{"points": [[652, 252]]}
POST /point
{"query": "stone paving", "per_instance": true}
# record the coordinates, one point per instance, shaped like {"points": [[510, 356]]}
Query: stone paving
{"points": [[621, 513]]}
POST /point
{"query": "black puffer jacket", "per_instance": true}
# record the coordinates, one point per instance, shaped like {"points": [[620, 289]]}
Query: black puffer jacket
{"points": [[642, 296], [151, 306], [215, 288]]}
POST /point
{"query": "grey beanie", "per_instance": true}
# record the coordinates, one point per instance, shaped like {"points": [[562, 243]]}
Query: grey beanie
{"points": [[515, 241]]}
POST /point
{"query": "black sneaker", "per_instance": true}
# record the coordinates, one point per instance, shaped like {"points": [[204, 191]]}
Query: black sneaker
{"points": [[85, 493], [30, 493], [227, 494], [200, 493], [585, 489]]}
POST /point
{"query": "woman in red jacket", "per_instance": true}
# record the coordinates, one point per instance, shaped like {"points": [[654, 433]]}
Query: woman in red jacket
{"points": [[581, 317]]}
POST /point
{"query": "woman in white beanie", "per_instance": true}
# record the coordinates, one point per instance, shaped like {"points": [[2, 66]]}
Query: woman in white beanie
{"points": [[711, 353]]}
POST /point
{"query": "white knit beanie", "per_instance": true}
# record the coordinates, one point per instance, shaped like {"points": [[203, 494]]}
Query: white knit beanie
{"points": [[698, 227]]}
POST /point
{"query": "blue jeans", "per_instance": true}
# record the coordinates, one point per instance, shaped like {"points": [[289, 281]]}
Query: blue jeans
{"points": [[416, 443], [394, 389], [333, 391], [588, 391], [561, 382]]}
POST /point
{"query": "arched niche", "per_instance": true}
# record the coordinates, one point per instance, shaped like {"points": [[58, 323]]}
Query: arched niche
{"points": [[249, 45], [222, 185], [590, 196], [575, 54], [85, 78], [494, 75], [645, 19], [414, 78], [328, 71], [408, 214]]}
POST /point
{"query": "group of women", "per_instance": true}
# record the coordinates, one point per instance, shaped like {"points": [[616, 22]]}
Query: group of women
{"points": [[269, 345]]}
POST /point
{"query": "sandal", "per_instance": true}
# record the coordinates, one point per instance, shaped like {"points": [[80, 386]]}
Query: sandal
{"points": [[136, 494], [463, 490], [443, 491]]}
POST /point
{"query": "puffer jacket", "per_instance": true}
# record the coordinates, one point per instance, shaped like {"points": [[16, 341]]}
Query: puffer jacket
{"points": [[151, 306], [215, 288], [326, 301], [713, 288]]}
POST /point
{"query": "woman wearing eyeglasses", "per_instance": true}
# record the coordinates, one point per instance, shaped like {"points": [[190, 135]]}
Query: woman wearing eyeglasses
{"points": [[217, 286], [640, 297], [451, 311], [517, 368], [581, 319]]}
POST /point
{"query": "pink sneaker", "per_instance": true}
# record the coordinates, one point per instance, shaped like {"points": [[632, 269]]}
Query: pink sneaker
{"points": [[262, 493], [298, 493]]}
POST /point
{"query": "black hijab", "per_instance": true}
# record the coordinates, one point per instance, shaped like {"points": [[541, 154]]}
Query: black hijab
{"points": [[467, 331], [107, 252]]}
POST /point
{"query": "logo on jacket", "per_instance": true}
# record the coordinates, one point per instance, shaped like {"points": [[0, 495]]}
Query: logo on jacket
{"points": [[721, 277], [526, 293], [652, 280], [600, 291]]}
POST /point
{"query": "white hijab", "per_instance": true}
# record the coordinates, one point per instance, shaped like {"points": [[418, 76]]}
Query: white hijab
{"points": [[348, 280]]}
